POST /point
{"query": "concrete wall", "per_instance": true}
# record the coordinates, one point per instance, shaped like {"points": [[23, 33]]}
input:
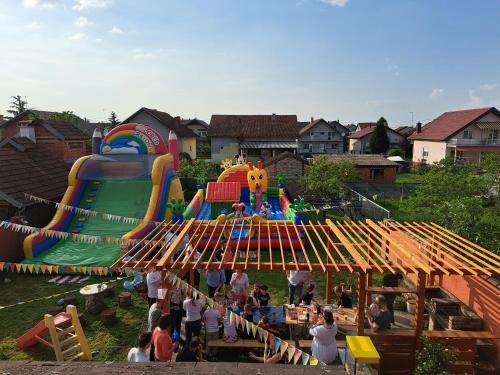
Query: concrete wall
{"points": [[188, 145], [436, 150], [290, 167], [224, 148], [362, 145]]}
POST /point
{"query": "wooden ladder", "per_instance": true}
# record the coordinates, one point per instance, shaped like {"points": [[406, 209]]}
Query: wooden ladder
{"points": [[68, 343]]}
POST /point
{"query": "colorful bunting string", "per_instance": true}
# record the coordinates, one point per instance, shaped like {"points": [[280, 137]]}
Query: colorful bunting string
{"points": [[275, 342], [91, 213]]}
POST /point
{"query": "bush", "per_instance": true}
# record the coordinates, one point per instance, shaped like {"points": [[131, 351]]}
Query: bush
{"points": [[184, 156], [434, 358], [396, 152], [400, 304]]}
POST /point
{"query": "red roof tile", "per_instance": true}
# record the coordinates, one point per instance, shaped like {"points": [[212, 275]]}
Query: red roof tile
{"points": [[223, 192], [254, 126], [367, 131], [26, 167], [450, 123]]}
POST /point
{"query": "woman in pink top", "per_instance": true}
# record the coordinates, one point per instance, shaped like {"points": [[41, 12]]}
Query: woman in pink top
{"points": [[162, 341], [240, 284]]}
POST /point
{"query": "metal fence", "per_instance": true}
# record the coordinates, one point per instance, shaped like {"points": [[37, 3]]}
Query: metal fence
{"points": [[384, 191], [359, 207]]}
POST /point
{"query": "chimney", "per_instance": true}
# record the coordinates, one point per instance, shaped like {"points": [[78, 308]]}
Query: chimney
{"points": [[273, 117], [27, 130], [312, 119], [419, 127]]}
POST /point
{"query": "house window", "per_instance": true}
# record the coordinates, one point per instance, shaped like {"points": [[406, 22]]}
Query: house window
{"points": [[331, 135], [307, 146], [334, 146], [467, 134], [460, 154], [425, 153], [202, 133], [321, 133], [376, 173], [321, 147]]}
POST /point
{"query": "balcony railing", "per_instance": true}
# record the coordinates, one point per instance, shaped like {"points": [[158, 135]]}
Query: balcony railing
{"points": [[474, 142]]}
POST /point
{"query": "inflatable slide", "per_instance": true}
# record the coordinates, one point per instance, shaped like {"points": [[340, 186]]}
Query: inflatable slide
{"points": [[132, 174]]}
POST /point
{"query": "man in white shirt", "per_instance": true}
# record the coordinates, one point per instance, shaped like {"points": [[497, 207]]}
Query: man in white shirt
{"points": [[141, 354], [295, 284], [153, 280]]}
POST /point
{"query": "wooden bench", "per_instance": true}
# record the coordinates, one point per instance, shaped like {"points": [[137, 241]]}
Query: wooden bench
{"points": [[249, 343]]}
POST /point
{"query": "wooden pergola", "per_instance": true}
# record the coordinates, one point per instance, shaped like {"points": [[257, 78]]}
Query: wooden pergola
{"points": [[363, 247]]}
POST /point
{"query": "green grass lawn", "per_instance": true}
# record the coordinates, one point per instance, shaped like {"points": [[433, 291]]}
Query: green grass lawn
{"points": [[112, 343], [407, 178]]}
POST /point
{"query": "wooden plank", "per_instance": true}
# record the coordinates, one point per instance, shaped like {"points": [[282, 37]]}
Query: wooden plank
{"points": [[302, 246], [165, 258], [346, 262], [363, 251], [235, 252], [328, 287], [314, 248], [432, 246], [419, 315], [281, 246], [486, 335], [181, 255], [248, 246], [370, 247], [258, 248], [360, 324], [411, 257], [390, 290], [325, 249], [238, 245], [361, 262], [292, 248], [269, 242]]}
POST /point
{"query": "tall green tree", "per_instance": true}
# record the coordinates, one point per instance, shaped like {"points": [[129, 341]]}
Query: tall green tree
{"points": [[113, 119], [328, 177], [379, 141], [17, 106]]}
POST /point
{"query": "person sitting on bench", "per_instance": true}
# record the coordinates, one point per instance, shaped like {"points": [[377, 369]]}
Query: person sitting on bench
{"points": [[382, 321]]}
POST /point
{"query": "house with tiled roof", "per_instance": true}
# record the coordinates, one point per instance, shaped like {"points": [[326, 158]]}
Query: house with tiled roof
{"points": [[465, 134], [372, 168], [163, 123], [200, 128], [321, 137], [29, 167], [66, 140], [359, 141], [256, 137]]}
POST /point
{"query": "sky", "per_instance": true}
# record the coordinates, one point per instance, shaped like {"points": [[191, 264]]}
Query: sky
{"points": [[347, 60]]}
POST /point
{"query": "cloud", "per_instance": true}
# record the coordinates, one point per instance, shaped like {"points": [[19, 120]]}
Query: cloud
{"points": [[47, 4], [77, 37], [335, 3], [394, 69], [436, 93], [486, 95], [140, 54], [33, 25], [115, 30], [82, 22], [92, 4]]}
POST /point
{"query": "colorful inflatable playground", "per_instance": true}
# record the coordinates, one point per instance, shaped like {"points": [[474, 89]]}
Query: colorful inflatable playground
{"points": [[132, 174]]}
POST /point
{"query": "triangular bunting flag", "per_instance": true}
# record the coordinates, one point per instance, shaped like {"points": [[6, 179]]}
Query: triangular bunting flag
{"points": [[49, 269], [43, 268], [95, 270], [1, 265], [73, 268], [232, 316], [305, 358], [104, 271], [254, 330], [18, 267], [284, 347], [83, 269], [277, 345], [56, 269], [30, 268], [271, 339], [37, 268], [313, 361], [25, 266], [297, 355], [249, 326], [290, 352], [12, 266]]}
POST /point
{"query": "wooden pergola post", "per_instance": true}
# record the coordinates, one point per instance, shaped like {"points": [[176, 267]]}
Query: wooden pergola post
{"points": [[419, 317], [360, 325], [165, 307], [328, 287], [369, 283]]}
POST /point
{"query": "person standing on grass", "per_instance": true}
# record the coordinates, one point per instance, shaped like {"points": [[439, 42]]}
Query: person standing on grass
{"points": [[193, 308], [239, 283], [140, 354], [308, 295], [324, 345], [215, 280], [162, 340], [176, 299], [264, 296], [153, 281], [295, 284], [154, 317], [212, 319]]}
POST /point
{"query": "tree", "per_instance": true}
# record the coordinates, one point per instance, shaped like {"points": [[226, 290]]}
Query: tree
{"points": [[434, 358], [379, 141], [17, 105], [327, 177], [113, 119], [66, 116]]}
